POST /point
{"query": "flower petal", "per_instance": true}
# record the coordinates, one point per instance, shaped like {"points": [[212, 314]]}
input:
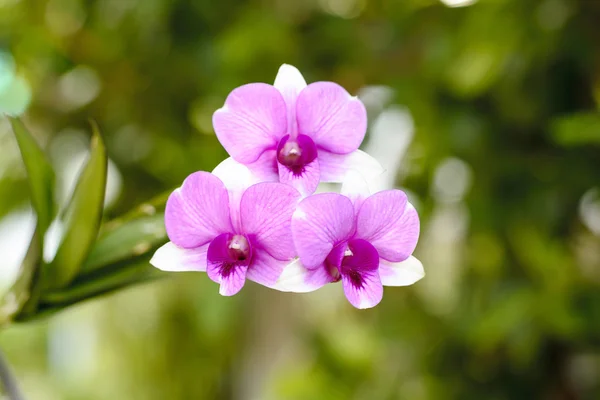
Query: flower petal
{"points": [[197, 211], [319, 223], [265, 168], [299, 279], [266, 212], [221, 269], [403, 273], [290, 82], [169, 257], [335, 167], [365, 291], [237, 178], [336, 121], [265, 269], [305, 182], [390, 223], [355, 188], [252, 120]]}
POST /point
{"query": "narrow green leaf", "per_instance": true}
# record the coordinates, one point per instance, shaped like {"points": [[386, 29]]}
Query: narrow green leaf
{"points": [[81, 218], [23, 293], [128, 240], [20, 294], [40, 173], [120, 275]]}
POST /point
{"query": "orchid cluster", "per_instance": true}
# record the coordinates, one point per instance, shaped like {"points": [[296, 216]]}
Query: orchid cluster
{"points": [[257, 217]]}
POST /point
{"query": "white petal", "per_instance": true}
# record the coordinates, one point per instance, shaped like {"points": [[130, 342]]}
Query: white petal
{"points": [[235, 176], [355, 187], [289, 80], [172, 258], [334, 167], [296, 278], [403, 273]]}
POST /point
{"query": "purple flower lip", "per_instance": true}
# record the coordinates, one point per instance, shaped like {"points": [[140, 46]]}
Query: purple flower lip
{"points": [[295, 154]]}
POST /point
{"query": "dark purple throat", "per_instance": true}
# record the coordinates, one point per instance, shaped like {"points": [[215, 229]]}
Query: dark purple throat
{"points": [[296, 153]]}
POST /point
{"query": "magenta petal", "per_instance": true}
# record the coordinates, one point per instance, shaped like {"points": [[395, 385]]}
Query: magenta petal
{"points": [[360, 276], [197, 211], [266, 212], [252, 121], [305, 181], [265, 269], [224, 266], [319, 223], [265, 168], [390, 223], [336, 121], [367, 294]]}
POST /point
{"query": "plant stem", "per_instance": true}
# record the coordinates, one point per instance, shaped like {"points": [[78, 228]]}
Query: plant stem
{"points": [[8, 380]]}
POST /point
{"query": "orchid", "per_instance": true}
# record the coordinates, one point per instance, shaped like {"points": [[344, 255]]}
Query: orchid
{"points": [[227, 225], [246, 220], [295, 133], [364, 241]]}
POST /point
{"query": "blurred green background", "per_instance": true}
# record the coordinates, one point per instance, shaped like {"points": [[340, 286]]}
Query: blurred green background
{"points": [[489, 114]]}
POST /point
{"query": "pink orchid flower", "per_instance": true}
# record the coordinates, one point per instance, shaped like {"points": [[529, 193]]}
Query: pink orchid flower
{"points": [[225, 224], [293, 133], [364, 241]]}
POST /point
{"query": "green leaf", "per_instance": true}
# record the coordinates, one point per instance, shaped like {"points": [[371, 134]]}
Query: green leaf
{"points": [[20, 294], [23, 293], [125, 241], [40, 173], [118, 276], [576, 129], [81, 218]]}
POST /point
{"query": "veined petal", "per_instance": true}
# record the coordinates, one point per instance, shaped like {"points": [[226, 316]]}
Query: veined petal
{"points": [[390, 223], [299, 279], [336, 121], [169, 257], [360, 279], [306, 181], [265, 168], [403, 273], [290, 82], [252, 121], [265, 269], [335, 167], [197, 211], [266, 212], [366, 294], [319, 223]]}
